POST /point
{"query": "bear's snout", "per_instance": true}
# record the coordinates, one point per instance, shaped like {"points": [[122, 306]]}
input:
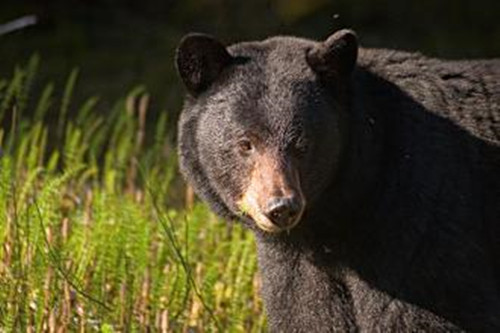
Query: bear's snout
{"points": [[273, 197], [283, 211]]}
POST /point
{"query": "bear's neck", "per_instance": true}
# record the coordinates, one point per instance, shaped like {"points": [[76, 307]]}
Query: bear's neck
{"points": [[353, 193]]}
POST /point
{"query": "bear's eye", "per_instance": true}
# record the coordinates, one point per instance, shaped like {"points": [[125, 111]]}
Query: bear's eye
{"points": [[245, 147]]}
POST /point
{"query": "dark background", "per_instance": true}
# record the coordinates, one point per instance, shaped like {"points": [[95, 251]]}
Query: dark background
{"points": [[120, 44]]}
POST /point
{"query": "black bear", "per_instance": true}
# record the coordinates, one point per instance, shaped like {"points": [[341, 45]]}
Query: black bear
{"points": [[371, 178]]}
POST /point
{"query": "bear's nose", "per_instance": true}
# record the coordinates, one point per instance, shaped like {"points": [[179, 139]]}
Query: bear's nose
{"points": [[283, 211]]}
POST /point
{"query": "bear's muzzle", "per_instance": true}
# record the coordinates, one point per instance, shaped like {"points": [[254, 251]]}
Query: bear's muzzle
{"points": [[273, 197]]}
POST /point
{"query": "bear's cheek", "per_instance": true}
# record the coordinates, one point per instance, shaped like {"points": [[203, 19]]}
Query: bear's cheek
{"points": [[319, 170], [227, 177]]}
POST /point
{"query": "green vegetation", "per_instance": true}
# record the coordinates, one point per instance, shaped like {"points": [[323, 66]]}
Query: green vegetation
{"points": [[93, 227]]}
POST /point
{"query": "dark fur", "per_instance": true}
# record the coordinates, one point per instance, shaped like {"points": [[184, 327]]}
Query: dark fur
{"points": [[402, 180]]}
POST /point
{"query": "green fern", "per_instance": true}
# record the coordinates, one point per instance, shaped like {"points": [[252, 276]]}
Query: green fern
{"points": [[92, 230]]}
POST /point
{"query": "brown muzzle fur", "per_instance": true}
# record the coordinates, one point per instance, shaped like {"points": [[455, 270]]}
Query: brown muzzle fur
{"points": [[273, 197]]}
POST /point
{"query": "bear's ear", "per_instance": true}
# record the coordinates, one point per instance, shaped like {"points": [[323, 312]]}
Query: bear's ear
{"points": [[336, 56], [200, 59]]}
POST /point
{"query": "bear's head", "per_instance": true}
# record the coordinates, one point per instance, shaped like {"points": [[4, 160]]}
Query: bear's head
{"points": [[261, 132]]}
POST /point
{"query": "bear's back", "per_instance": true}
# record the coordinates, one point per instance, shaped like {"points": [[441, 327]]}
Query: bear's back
{"points": [[440, 189], [467, 92]]}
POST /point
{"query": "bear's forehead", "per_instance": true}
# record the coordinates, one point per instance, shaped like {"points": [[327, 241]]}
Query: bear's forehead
{"points": [[270, 91], [275, 70], [278, 60]]}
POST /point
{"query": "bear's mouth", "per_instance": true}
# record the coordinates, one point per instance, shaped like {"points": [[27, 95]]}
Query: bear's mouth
{"points": [[273, 198], [282, 221]]}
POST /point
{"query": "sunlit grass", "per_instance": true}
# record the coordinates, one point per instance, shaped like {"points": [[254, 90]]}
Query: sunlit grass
{"points": [[93, 236]]}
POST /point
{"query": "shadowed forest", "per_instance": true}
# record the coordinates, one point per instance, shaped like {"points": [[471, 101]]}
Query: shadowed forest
{"points": [[119, 45]]}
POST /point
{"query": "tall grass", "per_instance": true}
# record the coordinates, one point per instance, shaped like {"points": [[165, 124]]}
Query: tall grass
{"points": [[93, 236]]}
